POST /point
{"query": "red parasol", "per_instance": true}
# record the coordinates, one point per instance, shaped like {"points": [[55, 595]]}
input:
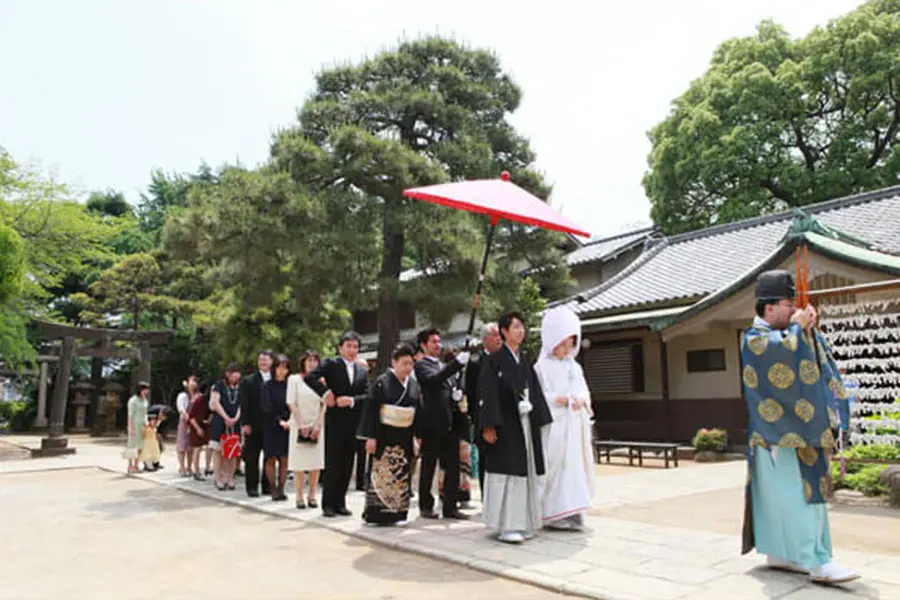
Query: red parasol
{"points": [[499, 199]]}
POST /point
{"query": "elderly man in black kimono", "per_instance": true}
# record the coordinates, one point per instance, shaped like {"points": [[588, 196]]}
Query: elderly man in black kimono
{"points": [[512, 412]]}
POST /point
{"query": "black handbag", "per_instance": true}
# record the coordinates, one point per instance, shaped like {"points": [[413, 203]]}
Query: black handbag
{"points": [[301, 439]]}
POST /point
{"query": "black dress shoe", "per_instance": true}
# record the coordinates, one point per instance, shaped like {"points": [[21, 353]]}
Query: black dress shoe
{"points": [[457, 516], [253, 493], [428, 514], [343, 511], [328, 512]]}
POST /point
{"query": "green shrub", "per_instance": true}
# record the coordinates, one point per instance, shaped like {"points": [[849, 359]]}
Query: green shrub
{"points": [[863, 478], [874, 451], [714, 440], [18, 415]]}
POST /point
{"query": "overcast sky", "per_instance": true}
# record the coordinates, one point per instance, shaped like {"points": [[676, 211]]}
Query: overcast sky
{"points": [[100, 92]]}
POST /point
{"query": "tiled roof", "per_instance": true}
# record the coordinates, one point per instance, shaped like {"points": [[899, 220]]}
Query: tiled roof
{"points": [[686, 267], [597, 249]]}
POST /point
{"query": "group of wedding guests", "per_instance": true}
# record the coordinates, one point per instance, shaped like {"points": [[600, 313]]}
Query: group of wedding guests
{"points": [[530, 425], [271, 413]]}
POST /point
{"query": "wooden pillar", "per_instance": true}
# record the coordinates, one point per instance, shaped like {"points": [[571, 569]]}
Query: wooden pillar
{"points": [[144, 367], [667, 401], [55, 444], [40, 420]]}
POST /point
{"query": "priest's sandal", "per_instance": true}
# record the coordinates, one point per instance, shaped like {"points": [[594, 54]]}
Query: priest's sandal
{"points": [[773, 562], [832, 573]]}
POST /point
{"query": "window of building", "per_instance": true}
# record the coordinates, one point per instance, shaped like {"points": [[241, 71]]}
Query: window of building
{"points": [[615, 367], [704, 361], [365, 322]]}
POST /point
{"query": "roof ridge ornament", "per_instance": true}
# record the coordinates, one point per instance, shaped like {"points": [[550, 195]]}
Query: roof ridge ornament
{"points": [[804, 224]]}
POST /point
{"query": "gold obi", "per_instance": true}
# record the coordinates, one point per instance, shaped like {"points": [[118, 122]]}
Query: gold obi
{"points": [[400, 417]]}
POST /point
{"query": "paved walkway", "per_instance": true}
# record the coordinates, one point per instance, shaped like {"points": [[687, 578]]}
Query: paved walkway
{"points": [[613, 559]]}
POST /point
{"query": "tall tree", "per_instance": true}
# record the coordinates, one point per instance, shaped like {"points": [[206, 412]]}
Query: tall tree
{"points": [[128, 290], [777, 122], [264, 262], [14, 346], [109, 203], [429, 111]]}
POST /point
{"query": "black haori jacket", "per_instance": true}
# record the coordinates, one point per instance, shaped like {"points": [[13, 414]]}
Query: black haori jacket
{"points": [[500, 388]]}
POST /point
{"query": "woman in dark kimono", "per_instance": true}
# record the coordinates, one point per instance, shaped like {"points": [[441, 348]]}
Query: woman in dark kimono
{"points": [[388, 424], [512, 411], [277, 424]]}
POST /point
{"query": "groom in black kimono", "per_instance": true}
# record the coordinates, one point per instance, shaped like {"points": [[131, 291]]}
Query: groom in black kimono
{"points": [[346, 388]]}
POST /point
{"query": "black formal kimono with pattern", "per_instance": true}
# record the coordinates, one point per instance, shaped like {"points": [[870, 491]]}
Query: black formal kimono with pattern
{"points": [[391, 417]]}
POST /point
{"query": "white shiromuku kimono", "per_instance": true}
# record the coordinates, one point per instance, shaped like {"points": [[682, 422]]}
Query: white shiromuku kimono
{"points": [[569, 482]]}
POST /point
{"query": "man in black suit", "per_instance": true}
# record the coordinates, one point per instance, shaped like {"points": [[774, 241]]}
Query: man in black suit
{"points": [[490, 338], [441, 424], [346, 388], [252, 420]]}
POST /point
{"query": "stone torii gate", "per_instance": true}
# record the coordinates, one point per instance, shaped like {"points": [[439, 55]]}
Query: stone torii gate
{"points": [[55, 443]]}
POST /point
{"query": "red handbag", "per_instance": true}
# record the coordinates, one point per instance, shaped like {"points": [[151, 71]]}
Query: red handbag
{"points": [[231, 444]]}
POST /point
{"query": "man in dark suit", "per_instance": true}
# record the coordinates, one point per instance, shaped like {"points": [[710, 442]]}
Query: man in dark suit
{"points": [[441, 424], [490, 338], [252, 420], [346, 388]]}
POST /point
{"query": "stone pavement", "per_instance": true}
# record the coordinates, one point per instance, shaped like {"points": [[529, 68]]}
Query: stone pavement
{"points": [[613, 559]]}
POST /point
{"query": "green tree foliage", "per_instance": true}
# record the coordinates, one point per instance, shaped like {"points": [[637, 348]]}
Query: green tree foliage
{"points": [[12, 264], [264, 262], [109, 203], [167, 195], [60, 242], [14, 346], [777, 122], [429, 111], [128, 289], [60, 237]]}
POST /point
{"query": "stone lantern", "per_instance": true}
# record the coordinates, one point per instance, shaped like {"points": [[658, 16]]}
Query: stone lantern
{"points": [[108, 408], [82, 399]]}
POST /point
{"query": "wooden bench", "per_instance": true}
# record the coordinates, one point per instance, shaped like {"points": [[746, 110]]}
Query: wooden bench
{"points": [[669, 450]]}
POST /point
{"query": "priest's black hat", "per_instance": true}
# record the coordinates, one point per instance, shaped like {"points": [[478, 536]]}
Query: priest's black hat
{"points": [[772, 286]]}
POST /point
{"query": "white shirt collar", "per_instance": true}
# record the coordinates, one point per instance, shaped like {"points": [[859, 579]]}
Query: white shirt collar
{"points": [[514, 354], [404, 382]]}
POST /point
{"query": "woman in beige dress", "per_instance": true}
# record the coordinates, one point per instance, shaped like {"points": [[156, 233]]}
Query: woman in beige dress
{"points": [[306, 444]]}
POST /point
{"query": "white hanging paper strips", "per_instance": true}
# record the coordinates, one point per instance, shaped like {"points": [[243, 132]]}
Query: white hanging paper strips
{"points": [[865, 340]]}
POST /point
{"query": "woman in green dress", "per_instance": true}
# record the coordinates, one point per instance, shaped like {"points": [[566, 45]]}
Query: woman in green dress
{"points": [[137, 419]]}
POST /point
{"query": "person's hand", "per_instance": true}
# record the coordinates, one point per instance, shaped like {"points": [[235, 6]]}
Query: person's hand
{"points": [[284, 425], [329, 399], [562, 400], [246, 428], [344, 401], [813, 315], [463, 357], [525, 407], [315, 433], [801, 317], [304, 431], [370, 446], [489, 434]]}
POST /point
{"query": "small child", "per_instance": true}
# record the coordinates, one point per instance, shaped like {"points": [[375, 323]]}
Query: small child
{"points": [[151, 453]]}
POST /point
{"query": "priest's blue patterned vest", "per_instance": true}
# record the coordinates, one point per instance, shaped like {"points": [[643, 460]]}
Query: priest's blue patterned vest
{"points": [[793, 390]]}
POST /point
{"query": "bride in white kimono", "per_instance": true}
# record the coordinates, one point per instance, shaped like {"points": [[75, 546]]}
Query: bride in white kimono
{"points": [[569, 482]]}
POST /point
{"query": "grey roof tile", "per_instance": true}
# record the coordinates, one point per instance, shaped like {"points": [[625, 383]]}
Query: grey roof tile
{"points": [[691, 265], [597, 249]]}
